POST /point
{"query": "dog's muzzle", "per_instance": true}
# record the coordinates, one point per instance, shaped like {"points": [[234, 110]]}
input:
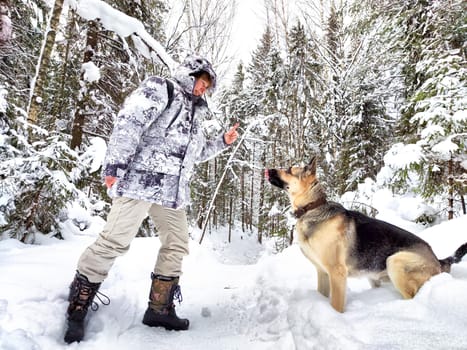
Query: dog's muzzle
{"points": [[273, 177]]}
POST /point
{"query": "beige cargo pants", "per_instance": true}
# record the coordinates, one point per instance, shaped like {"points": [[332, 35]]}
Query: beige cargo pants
{"points": [[123, 222]]}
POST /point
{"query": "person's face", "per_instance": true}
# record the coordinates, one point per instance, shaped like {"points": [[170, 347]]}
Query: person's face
{"points": [[202, 84]]}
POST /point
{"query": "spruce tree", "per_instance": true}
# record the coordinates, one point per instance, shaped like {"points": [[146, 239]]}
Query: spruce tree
{"points": [[437, 99], [337, 95], [266, 75], [373, 89], [302, 90]]}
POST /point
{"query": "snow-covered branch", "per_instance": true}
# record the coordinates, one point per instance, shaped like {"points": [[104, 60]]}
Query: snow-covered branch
{"points": [[123, 25]]}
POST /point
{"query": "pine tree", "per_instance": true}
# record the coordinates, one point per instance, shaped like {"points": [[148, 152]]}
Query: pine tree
{"points": [[433, 120], [302, 91], [372, 88], [35, 177], [36, 185], [19, 56], [121, 68], [48, 168], [337, 96], [266, 74], [234, 102]]}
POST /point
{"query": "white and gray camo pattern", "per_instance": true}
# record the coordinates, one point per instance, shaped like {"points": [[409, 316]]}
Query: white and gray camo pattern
{"points": [[153, 149]]}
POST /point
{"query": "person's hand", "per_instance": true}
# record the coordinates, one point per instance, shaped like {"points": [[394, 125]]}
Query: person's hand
{"points": [[231, 135], [109, 181]]}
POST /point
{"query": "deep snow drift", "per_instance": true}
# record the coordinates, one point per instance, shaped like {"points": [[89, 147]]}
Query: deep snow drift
{"points": [[237, 296]]}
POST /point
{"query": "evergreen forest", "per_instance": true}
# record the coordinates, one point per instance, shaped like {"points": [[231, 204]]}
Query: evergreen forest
{"points": [[376, 89]]}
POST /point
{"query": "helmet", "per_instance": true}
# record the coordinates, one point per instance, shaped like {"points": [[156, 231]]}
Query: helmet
{"points": [[198, 65]]}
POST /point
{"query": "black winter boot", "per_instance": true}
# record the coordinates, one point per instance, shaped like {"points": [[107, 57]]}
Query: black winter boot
{"points": [[161, 309], [82, 293]]}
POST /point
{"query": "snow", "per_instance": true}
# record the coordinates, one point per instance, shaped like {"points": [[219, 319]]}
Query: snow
{"points": [[3, 102], [399, 210], [401, 156], [446, 148], [5, 28], [122, 24], [432, 129], [91, 72], [94, 155], [460, 116], [237, 295], [111, 18], [241, 294]]}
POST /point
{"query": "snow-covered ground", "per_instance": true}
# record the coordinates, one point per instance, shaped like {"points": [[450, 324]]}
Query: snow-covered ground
{"points": [[237, 296]]}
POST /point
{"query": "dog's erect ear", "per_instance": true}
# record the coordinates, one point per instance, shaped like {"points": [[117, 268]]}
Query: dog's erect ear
{"points": [[311, 167]]}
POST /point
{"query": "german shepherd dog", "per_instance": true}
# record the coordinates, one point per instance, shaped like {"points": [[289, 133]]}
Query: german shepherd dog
{"points": [[342, 243]]}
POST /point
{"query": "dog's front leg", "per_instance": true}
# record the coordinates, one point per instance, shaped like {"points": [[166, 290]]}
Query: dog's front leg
{"points": [[338, 281], [323, 282]]}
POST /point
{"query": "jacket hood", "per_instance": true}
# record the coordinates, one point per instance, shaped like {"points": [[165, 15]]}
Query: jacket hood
{"points": [[190, 68]]}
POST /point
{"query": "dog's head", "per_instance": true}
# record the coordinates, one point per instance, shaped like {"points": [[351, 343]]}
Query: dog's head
{"points": [[295, 180]]}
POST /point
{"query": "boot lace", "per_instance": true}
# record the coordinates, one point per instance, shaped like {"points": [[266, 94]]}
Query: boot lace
{"points": [[104, 299], [178, 294], [84, 293]]}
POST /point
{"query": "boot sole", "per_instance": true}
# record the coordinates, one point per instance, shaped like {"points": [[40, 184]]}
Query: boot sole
{"points": [[167, 327], [74, 332], [149, 321]]}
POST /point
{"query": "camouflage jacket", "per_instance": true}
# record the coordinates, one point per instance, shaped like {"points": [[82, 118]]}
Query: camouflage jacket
{"points": [[155, 145]]}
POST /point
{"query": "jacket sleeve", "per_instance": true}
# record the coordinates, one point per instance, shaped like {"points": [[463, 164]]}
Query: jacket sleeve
{"points": [[212, 148], [140, 109]]}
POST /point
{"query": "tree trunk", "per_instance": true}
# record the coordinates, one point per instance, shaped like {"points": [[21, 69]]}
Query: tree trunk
{"points": [[262, 219], [204, 195], [43, 66], [451, 190], [252, 189], [231, 218], [464, 211], [80, 114], [221, 179], [242, 189], [71, 25]]}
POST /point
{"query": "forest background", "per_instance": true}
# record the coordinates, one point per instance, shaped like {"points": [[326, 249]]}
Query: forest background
{"points": [[375, 88]]}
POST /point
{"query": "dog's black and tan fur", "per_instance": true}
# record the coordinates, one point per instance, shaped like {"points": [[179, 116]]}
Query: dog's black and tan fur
{"points": [[342, 243]]}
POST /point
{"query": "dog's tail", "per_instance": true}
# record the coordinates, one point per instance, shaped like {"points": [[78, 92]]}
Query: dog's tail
{"points": [[454, 258]]}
